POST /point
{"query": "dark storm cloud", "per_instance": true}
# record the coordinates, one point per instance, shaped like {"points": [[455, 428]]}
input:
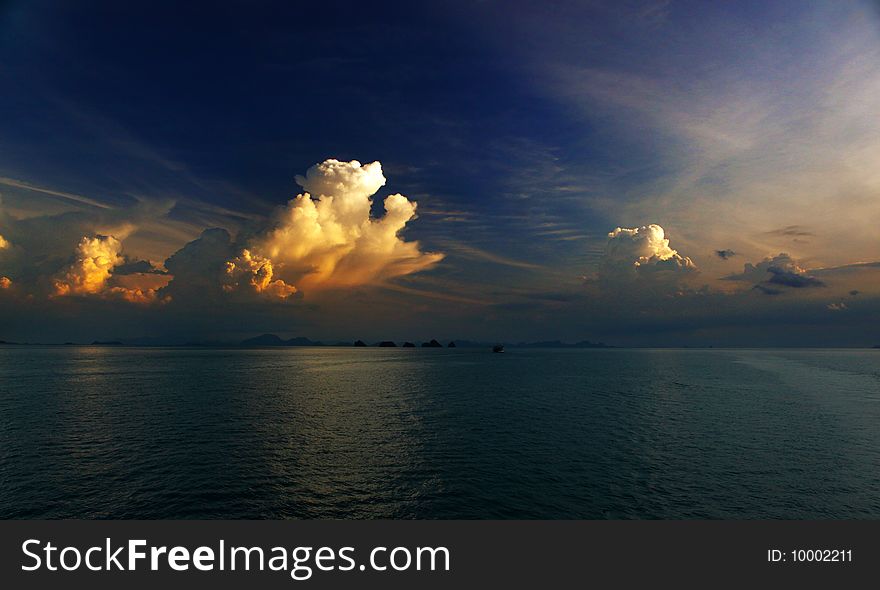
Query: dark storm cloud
{"points": [[199, 267], [130, 267], [795, 280], [725, 254], [772, 276]]}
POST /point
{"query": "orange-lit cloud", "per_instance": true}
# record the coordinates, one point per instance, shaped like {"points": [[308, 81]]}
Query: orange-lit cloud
{"points": [[256, 272], [5, 282], [91, 268], [91, 273], [3, 243], [326, 238]]}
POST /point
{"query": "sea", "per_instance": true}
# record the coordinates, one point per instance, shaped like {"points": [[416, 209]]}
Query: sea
{"points": [[369, 433]]}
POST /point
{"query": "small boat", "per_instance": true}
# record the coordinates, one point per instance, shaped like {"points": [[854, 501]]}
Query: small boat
{"points": [[498, 348]]}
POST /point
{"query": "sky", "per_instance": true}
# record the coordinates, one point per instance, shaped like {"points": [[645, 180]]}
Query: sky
{"points": [[641, 172]]}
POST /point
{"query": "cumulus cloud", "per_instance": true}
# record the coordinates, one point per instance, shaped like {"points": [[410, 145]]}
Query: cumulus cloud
{"points": [[199, 269], [327, 238], [792, 279], [256, 272], [350, 183], [208, 269], [324, 238], [5, 282], [92, 270], [642, 250], [779, 271], [3, 243]]}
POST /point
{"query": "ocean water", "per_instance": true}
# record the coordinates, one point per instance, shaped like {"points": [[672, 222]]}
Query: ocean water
{"points": [[91, 432]]}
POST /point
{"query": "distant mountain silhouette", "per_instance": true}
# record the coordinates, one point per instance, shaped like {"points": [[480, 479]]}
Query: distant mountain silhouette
{"points": [[409, 345], [360, 343], [106, 343], [432, 344], [263, 340], [387, 344], [451, 344]]}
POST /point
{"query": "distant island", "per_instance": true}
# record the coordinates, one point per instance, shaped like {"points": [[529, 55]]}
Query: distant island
{"points": [[273, 340]]}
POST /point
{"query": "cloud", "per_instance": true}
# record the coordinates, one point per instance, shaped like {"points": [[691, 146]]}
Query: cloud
{"points": [[780, 270], [199, 268], [207, 269], [725, 254], [350, 183], [255, 272], [91, 268], [642, 250], [836, 306], [766, 290], [795, 280], [43, 245], [467, 251], [751, 142], [131, 267], [790, 231], [326, 238], [5, 283]]}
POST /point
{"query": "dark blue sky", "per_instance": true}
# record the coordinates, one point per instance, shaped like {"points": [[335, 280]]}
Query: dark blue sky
{"points": [[524, 131]]}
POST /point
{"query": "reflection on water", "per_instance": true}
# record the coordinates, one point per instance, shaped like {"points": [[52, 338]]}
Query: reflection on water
{"points": [[423, 433]]}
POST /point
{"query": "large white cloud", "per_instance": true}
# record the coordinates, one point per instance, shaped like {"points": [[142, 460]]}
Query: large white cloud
{"points": [[641, 250]]}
